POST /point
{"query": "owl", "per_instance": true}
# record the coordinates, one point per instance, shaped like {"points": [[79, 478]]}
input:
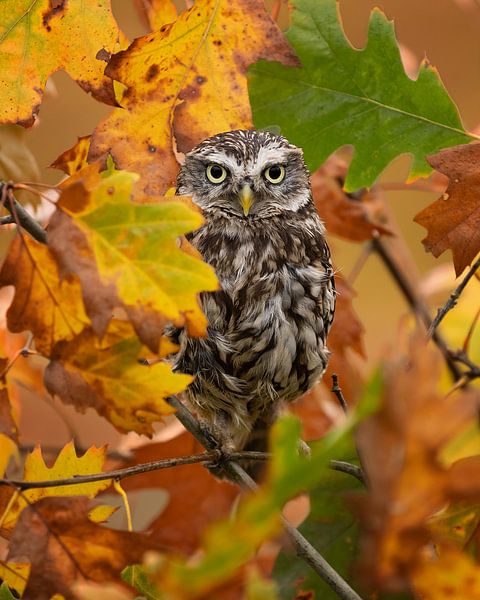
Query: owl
{"points": [[268, 322]]}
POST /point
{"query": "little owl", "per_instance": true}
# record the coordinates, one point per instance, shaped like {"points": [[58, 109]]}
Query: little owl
{"points": [[268, 324]]}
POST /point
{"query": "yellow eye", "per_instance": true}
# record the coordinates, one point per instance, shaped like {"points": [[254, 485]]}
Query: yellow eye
{"points": [[275, 174], [216, 173]]}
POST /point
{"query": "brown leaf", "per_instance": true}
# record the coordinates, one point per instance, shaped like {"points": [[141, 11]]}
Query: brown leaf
{"points": [[63, 546], [453, 221], [400, 448], [187, 80], [196, 498], [353, 218]]}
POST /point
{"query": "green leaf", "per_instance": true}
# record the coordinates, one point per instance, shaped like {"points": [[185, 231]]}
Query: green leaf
{"points": [[342, 95], [332, 529], [136, 576], [5, 593]]}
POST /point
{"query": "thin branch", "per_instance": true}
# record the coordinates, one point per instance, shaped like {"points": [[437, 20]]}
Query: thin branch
{"points": [[454, 296], [20, 215], [416, 304], [303, 548], [346, 467], [471, 329], [119, 474], [337, 390]]}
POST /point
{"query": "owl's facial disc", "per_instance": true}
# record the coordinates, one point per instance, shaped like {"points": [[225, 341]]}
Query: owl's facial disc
{"points": [[246, 198]]}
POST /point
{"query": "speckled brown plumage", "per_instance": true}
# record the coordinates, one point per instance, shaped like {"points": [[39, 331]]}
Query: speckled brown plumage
{"points": [[267, 326]]}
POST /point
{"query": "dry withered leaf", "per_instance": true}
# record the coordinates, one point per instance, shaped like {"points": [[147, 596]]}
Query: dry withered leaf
{"points": [[63, 545], [42, 37], [188, 81], [196, 498], [400, 448], [50, 308], [354, 218], [453, 221]]}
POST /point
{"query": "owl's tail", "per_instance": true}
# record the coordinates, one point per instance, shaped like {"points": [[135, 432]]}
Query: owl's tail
{"points": [[257, 442]]}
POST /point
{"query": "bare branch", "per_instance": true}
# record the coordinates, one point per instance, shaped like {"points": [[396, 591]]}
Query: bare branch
{"points": [[454, 296], [337, 390], [346, 467], [20, 216]]}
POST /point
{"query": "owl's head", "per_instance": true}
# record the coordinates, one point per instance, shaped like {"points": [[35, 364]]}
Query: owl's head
{"points": [[246, 174]]}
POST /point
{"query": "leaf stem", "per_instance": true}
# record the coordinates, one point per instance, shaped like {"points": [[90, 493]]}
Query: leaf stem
{"points": [[20, 215]]}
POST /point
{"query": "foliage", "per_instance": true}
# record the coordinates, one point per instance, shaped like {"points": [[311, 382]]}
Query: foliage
{"points": [[84, 315]]}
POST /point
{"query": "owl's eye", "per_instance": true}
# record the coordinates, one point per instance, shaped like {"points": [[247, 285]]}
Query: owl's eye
{"points": [[216, 173], [275, 174]]}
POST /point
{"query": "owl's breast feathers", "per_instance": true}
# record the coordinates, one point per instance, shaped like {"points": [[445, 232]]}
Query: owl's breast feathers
{"points": [[269, 322]]}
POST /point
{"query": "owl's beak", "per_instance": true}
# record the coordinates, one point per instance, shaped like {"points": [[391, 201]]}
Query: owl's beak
{"points": [[246, 198]]}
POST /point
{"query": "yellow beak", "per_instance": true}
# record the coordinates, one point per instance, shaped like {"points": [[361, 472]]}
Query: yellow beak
{"points": [[246, 198]]}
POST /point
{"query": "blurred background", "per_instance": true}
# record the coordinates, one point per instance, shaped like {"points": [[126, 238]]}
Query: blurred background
{"points": [[446, 31]]}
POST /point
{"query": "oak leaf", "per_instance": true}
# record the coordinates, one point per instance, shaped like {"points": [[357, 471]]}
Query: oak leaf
{"points": [[453, 221], [157, 13], [353, 217], [67, 465], [63, 545], [15, 575], [39, 38], [50, 308], [75, 158], [409, 483], [107, 376], [188, 81], [126, 254], [196, 499]]}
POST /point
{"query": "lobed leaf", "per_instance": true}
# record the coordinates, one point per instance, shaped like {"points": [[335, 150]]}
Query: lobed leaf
{"points": [[185, 81], [341, 95], [453, 221], [39, 38]]}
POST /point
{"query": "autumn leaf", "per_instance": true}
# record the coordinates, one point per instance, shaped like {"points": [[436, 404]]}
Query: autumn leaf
{"points": [[75, 158], [195, 498], [39, 38], [61, 543], [17, 161], [126, 254], [107, 376], [50, 308], [157, 13], [355, 218], [15, 575], [188, 81], [453, 221], [67, 464], [341, 95], [8, 425], [414, 423]]}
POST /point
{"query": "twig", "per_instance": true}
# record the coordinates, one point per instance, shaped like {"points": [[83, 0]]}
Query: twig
{"points": [[119, 474], [416, 304], [454, 296], [303, 548], [20, 215], [471, 329], [337, 390], [346, 467]]}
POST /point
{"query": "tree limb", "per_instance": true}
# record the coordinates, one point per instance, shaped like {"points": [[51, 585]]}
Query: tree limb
{"points": [[19, 215]]}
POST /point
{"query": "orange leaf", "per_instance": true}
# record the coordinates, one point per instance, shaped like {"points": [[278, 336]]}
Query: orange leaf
{"points": [[453, 221], [196, 498], [186, 80], [63, 546], [157, 13]]}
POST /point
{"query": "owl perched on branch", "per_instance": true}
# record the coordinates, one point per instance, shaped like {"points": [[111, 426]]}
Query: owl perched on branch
{"points": [[268, 324]]}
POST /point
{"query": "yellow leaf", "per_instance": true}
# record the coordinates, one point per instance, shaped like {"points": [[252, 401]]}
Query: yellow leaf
{"points": [[75, 158], [108, 378], [67, 465], [15, 575], [41, 37], [133, 255], [452, 576], [101, 513], [158, 12], [187, 80], [50, 308], [8, 448]]}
